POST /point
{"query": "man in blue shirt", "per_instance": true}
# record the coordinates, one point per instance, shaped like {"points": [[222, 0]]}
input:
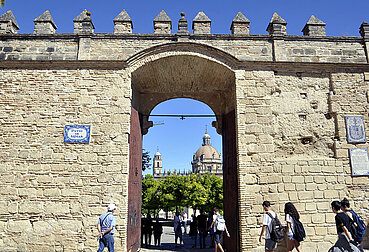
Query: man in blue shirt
{"points": [[106, 228]]}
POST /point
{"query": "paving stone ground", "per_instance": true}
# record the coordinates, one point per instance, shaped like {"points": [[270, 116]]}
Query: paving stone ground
{"points": [[167, 243]]}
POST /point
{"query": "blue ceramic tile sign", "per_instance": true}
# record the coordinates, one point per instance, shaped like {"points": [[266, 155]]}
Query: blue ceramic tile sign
{"points": [[355, 129], [359, 161], [77, 133]]}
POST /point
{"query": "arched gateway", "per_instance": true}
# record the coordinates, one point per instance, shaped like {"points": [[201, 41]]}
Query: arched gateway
{"points": [[292, 111], [184, 70]]}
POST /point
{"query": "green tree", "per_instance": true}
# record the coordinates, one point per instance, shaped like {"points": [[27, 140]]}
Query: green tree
{"points": [[146, 159], [196, 193], [2, 3], [173, 190], [176, 192], [214, 189], [151, 202]]}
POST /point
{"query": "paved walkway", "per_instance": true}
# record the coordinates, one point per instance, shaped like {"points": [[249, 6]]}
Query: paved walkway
{"points": [[167, 243]]}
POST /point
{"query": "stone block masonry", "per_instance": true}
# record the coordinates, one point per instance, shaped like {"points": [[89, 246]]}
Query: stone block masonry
{"points": [[53, 192], [289, 93]]}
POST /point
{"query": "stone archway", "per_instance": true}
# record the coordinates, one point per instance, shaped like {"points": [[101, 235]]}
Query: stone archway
{"points": [[193, 71]]}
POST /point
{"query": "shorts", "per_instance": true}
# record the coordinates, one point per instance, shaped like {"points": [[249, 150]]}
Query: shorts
{"points": [[269, 244], [290, 236], [217, 236]]}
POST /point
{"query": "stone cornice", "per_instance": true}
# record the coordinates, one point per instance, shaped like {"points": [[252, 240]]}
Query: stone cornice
{"points": [[248, 65], [175, 37]]}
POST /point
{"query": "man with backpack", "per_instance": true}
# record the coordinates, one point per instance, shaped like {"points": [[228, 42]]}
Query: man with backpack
{"points": [[359, 224], [219, 226], [271, 227]]}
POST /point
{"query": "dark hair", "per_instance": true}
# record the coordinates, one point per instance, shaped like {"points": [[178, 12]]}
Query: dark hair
{"points": [[290, 209], [266, 203], [345, 203], [215, 210], [336, 205]]}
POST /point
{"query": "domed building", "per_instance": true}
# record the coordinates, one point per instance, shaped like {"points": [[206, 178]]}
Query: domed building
{"points": [[207, 159]]}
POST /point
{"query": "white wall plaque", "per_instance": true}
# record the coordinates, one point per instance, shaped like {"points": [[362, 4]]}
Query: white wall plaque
{"points": [[359, 161]]}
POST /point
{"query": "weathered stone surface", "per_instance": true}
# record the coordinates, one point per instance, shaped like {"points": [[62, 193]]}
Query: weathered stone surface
{"points": [[240, 25], [83, 23], [314, 27], [123, 23], [8, 24], [201, 24], [162, 23], [277, 26], [44, 24]]}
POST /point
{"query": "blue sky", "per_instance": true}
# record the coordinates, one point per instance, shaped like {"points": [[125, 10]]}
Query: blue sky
{"points": [[178, 140], [342, 17]]}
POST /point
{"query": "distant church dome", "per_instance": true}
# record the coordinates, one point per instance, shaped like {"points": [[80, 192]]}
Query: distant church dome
{"points": [[207, 159], [157, 153], [206, 151]]}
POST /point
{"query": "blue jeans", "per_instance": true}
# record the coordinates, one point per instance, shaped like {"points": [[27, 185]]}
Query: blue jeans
{"points": [[202, 236], [106, 241]]}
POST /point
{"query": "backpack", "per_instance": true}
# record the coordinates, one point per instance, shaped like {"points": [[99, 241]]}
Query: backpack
{"points": [[298, 230], [352, 228], [276, 233], [220, 223], [361, 227]]}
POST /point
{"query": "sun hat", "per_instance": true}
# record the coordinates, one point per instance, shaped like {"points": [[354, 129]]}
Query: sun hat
{"points": [[112, 207]]}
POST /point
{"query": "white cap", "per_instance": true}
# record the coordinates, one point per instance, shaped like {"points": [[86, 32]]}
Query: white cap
{"points": [[112, 207]]}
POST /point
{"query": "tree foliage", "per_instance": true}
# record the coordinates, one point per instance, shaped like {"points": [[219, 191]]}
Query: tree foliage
{"points": [[150, 194], [146, 159], [2, 3], [175, 192]]}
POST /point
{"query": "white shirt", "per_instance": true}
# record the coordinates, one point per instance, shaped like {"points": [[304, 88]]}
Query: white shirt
{"points": [[267, 221], [292, 224], [215, 216], [184, 217]]}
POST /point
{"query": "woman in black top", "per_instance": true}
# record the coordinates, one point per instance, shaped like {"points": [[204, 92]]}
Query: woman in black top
{"points": [[345, 242]]}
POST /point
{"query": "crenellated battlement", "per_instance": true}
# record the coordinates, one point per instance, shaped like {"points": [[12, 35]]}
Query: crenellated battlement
{"points": [[313, 46], [201, 25]]}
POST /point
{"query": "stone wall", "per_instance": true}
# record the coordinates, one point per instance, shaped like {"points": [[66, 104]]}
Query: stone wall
{"points": [[52, 193], [291, 96], [277, 111]]}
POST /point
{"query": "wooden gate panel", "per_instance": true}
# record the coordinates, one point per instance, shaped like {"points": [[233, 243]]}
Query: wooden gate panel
{"points": [[230, 182], [134, 184]]}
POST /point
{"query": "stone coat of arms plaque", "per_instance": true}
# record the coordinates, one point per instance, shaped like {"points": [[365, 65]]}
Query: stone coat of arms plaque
{"points": [[355, 129]]}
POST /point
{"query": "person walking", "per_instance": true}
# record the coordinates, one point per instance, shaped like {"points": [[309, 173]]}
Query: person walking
{"points": [[185, 222], [291, 215], [211, 229], [177, 229], [345, 242], [270, 245], [106, 228], [219, 226], [148, 228], [202, 226], [158, 230], [193, 231], [345, 207]]}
